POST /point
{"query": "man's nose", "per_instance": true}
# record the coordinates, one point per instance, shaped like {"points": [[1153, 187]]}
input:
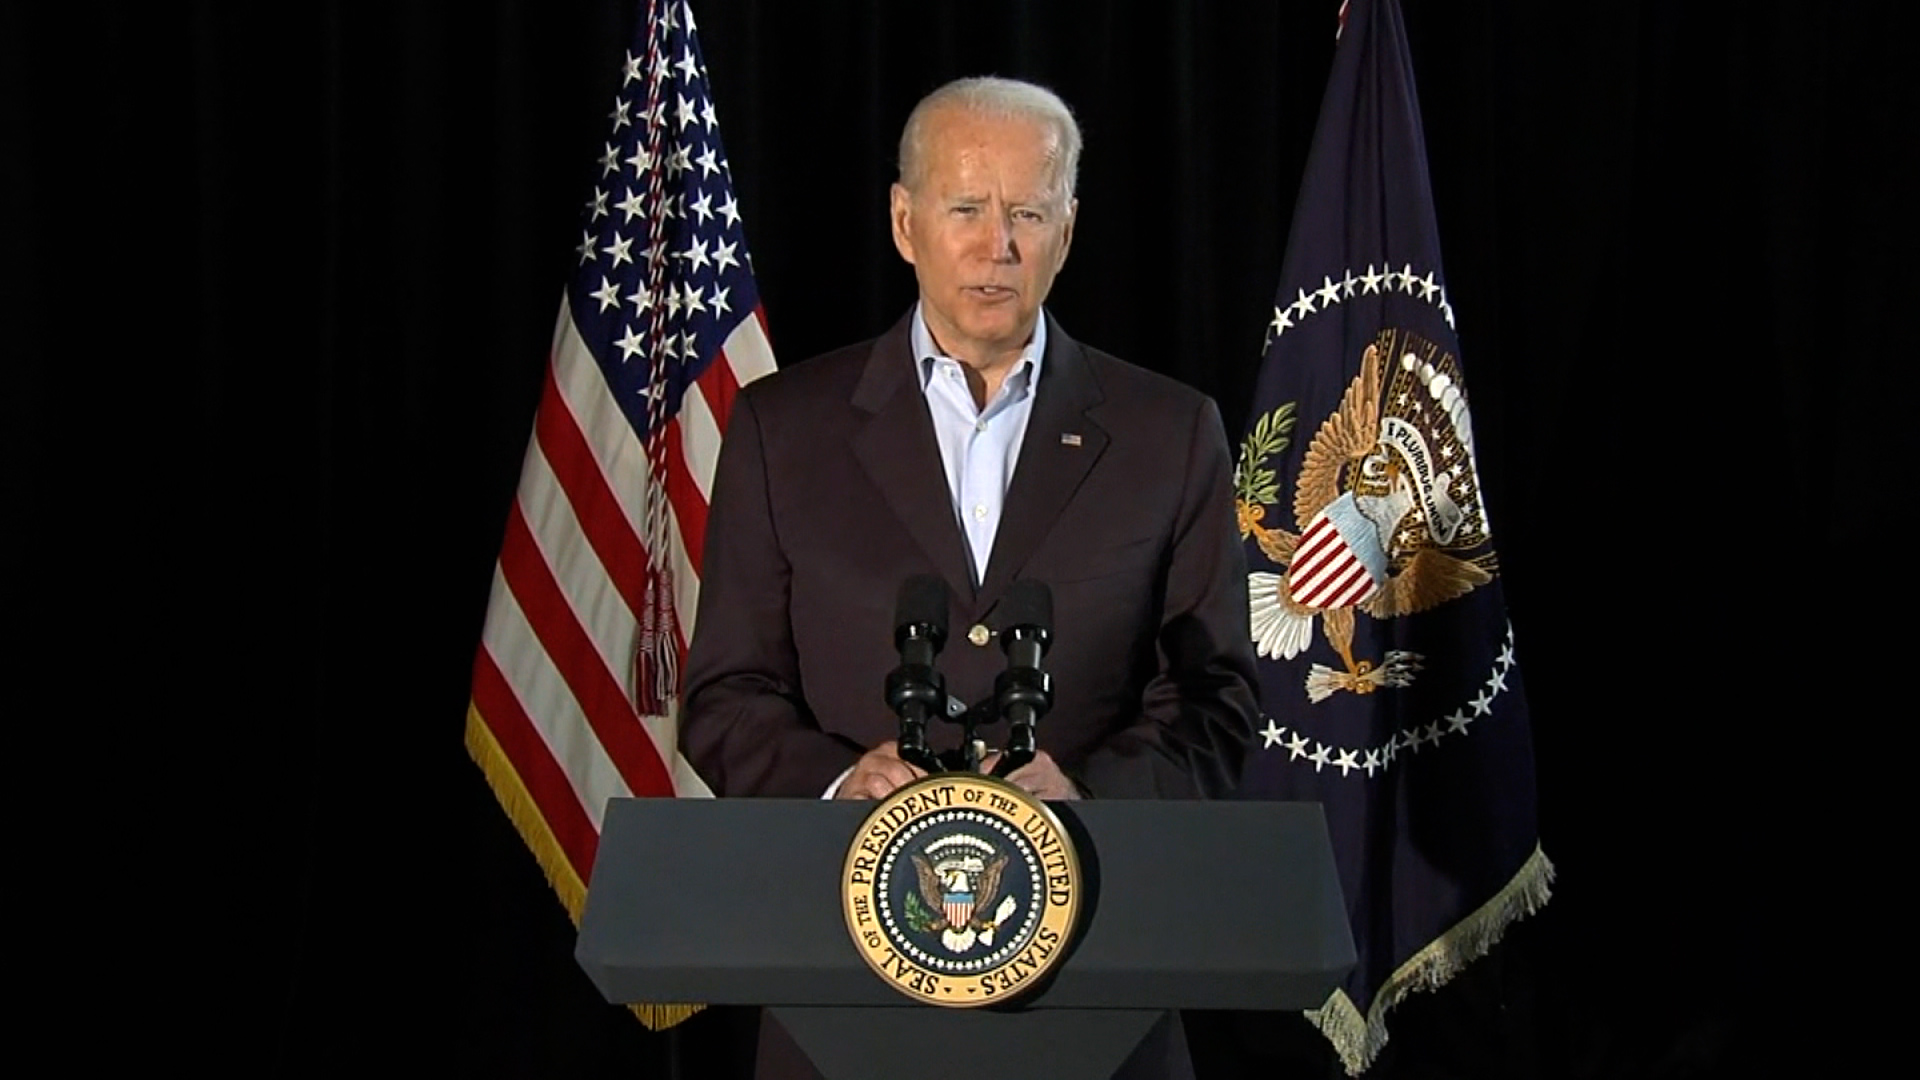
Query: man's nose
{"points": [[1001, 238]]}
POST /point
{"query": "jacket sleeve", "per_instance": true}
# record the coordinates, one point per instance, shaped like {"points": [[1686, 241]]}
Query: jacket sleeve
{"points": [[745, 726], [1198, 713]]}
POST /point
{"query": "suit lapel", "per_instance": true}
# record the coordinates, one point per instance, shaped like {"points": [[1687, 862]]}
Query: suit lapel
{"points": [[897, 449], [1060, 448]]}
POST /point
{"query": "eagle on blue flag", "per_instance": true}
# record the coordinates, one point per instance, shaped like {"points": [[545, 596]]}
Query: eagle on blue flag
{"points": [[1391, 685]]}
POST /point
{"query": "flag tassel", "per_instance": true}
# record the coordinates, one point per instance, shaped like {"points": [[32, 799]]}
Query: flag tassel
{"points": [[656, 656]]}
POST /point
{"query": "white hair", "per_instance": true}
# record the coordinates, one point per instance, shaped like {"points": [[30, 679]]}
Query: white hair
{"points": [[1002, 99]]}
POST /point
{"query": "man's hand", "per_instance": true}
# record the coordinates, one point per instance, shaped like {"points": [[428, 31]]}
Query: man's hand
{"points": [[878, 772], [1040, 777]]}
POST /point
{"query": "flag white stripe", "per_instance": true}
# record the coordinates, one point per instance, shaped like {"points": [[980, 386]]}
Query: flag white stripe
{"points": [[686, 583], [748, 351], [699, 439], [664, 731]]}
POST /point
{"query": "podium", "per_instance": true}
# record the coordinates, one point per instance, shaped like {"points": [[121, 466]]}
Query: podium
{"points": [[1191, 905]]}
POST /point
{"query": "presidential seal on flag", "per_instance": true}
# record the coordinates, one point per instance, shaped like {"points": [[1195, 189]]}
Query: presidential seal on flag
{"points": [[1388, 504], [962, 890]]}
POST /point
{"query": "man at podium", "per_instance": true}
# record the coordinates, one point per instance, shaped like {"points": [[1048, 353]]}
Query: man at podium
{"points": [[977, 441]]}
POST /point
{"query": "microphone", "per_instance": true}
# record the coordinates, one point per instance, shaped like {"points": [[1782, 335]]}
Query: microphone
{"points": [[1023, 693], [915, 691]]}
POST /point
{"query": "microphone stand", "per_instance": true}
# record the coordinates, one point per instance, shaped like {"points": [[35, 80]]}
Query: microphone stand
{"points": [[1023, 692], [916, 692]]}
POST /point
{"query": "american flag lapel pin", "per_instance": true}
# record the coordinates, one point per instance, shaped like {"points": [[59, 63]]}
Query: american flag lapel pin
{"points": [[1068, 438]]}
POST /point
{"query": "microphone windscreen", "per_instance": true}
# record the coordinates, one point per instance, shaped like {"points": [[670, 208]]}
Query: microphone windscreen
{"points": [[1027, 603], [923, 601]]}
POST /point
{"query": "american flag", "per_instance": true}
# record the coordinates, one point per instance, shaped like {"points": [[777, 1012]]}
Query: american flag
{"points": [[593, 597]]}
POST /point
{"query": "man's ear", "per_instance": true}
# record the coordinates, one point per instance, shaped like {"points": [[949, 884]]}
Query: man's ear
{"points": [[900, 214]]}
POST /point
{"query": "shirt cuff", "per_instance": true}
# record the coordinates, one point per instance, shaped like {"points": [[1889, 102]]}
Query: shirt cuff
{"points": [[834, 788]]}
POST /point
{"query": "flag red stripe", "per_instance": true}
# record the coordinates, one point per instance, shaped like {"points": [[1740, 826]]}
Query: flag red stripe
{"points": [[539, 773], [718, 384], [689, 506], [600, 515], [604, 702]]}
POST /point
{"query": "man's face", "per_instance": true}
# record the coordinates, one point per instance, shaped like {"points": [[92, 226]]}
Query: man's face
{"points": [[986, 228]]}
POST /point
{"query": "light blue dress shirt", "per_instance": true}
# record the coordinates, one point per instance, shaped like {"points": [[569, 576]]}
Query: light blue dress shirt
{"points": [[979, 447]]}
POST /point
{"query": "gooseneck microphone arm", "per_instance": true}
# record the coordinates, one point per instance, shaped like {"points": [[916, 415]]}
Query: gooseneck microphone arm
{"points": [[915, 691]]}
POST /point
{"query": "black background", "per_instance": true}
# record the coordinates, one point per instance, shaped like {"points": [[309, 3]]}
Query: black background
{"points": [[280, 283]]}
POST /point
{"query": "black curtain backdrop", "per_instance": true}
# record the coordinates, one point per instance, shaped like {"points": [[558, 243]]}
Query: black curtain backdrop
{"points": [[280, 284]]}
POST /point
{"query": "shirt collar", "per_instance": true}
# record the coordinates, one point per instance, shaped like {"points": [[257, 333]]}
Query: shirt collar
{"points": [[925, 352]]}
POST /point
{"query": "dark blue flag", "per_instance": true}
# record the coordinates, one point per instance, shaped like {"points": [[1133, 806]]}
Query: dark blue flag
{"points": [[1388, 672]]}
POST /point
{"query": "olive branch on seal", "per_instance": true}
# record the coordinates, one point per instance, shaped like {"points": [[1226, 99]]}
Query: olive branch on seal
{"points": [[1253, 483], [919, 918]]}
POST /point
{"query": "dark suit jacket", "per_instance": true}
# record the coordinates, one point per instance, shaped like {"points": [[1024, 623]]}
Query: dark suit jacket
{"points": [[830, 491]]}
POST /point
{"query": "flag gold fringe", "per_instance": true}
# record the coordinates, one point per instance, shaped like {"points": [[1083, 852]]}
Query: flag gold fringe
{"points": [[1358, 1040], [532, 827], [525, 814]]}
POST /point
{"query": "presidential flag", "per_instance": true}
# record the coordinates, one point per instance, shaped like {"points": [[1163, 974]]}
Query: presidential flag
{"points": [[1389, 676], [593, 600]]}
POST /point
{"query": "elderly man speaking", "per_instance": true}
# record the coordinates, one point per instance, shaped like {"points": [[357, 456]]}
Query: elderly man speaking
{"points": [[976, 441]]}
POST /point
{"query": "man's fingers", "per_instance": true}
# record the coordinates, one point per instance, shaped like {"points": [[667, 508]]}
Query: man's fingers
{"points": [[1043, 779], [878, 774]]}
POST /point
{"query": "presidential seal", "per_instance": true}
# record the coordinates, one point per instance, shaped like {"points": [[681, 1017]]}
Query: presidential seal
{"points": [[961, 890]]}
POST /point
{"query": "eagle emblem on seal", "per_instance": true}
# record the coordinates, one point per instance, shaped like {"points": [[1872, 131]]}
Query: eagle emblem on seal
{"points": [[1387, 507], [955, 892]]}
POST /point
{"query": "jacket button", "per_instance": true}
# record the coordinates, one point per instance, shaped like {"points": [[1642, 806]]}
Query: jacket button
{"points": [[979, 635]]}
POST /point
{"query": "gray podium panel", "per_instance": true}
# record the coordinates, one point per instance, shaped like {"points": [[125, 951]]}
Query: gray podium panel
{"points": [[1195, 905]]}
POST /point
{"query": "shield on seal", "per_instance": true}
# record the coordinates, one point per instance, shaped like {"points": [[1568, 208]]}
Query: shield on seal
{"points": [[958, 908], [1325, 572]]}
